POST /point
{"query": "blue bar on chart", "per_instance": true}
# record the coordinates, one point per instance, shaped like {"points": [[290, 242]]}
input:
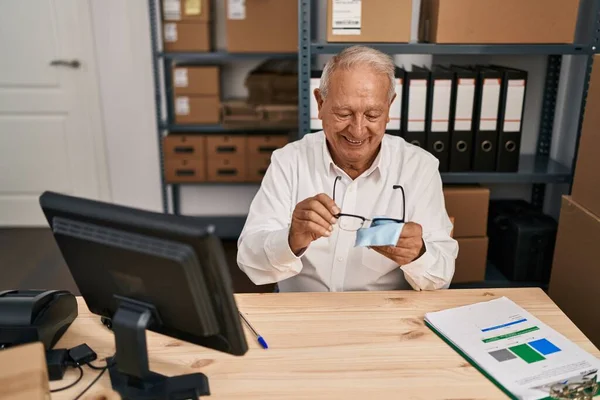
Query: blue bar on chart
{"points": [[503, 325], [544, 346]]}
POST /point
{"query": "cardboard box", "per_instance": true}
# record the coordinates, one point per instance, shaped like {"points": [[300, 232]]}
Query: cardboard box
{"points": [[385, 21], [23, 373], [227, 168], [267, 144], [197, 109], [225, 145], [471, 261], [576, 268], [240, 113], [278, 115], [586, 184], [184, 146], [203, 81], [469, 206], [257, 167], [185, 170], [185, 37], [186, 10], [498, 21], [262, 26]]}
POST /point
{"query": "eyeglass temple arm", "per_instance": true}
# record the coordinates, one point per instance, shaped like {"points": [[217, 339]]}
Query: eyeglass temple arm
{"points": [[403, 201]]}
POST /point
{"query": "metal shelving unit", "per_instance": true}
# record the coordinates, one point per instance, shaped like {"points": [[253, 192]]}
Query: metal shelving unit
{"points": [[537, 169]]}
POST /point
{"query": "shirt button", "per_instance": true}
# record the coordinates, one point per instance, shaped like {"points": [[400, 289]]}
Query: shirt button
{"points": [[340, 259]]}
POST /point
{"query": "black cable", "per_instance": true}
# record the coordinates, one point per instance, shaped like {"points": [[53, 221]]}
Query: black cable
{"points": [[92, 383], [72, 384]]}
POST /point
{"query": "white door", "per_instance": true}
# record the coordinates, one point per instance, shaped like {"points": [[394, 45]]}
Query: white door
{"points": [[50, 127]]}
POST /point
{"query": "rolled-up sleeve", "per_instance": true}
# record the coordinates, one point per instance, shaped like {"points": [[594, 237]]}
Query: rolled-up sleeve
{"points": [[435, 268], [264, 252]]}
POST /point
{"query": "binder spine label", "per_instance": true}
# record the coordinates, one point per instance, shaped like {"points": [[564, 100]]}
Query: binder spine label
{"points": [[465, 98], [490, 100], [315, 122], [515, 101], [346, 17], [417, 105], [442, 91], [396, 108]]}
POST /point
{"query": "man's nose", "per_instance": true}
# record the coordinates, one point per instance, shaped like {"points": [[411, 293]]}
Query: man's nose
{"points": [[358, 126]]}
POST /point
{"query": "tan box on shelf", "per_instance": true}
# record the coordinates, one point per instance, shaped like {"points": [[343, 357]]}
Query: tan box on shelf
{"points": [[227, 168], [23, 373], [186, 37], [182, 170], [469, 206], [184, 146], [225, 145], [239, 113], [267, 144], [197, 109], [472, 259], [586, 184], [186, 10], [576, 267], [386, 21], [498, 21], [262, 26], [204, 81], [257, 166]]}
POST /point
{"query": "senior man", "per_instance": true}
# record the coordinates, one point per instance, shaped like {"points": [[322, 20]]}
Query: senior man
{"points": [[318, 191]]}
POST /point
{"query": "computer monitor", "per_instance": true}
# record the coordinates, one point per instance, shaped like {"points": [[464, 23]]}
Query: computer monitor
{"points": [[146, 270]]}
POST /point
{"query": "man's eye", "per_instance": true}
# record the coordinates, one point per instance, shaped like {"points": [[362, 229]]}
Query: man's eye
{"points": [[344, 115], [372, 117]]}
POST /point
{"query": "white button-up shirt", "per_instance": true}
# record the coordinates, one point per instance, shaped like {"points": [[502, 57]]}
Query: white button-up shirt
{"points": [[304, 169]]}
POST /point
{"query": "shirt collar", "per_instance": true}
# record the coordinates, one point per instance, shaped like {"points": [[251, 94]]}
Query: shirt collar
{"points": [[333, 170]]}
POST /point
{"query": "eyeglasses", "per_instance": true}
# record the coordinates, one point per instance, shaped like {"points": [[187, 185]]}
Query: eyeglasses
{"points": [[352, 223]]}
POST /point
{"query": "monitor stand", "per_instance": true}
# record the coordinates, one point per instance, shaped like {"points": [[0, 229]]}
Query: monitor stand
{"points": [[129, 370]]}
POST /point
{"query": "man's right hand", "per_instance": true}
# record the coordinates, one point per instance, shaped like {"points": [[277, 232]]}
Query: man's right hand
{"points": [[312, 218]]}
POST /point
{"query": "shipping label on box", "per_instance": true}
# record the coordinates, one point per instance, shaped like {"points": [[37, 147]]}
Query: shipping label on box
{"points": [[170, 32], [236, 9], [193, 7], [182, 105], [346, 17], [172, 10], [181, 77]]}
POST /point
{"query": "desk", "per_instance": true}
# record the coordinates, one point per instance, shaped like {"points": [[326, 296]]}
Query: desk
{"points": [[352, 345]]}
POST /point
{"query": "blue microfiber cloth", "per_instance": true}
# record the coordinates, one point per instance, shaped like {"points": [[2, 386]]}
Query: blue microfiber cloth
{"points": [[380, 233]]}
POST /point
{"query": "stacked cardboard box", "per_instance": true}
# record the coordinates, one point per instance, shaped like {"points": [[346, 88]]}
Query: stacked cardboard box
{"points": [[384, 21], [576, 265], [468, 205], [218, 158], [498, 21], [240, 113], [273, 82], [267, 26], [196, 93], [186, 25]]}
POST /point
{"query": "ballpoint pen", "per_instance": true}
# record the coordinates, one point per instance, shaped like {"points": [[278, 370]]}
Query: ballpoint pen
{"points": [[259, 338]]}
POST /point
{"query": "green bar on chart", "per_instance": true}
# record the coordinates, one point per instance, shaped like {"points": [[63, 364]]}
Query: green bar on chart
{"points": [[527, 353]]}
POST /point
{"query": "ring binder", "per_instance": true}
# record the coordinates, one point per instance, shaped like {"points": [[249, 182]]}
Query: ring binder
{"points": [[584, 390]]}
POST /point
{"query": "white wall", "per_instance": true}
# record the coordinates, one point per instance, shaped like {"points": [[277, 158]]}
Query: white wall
{"points": [[123, 53]]}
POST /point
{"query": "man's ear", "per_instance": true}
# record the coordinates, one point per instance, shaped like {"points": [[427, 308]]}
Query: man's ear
{"points": [[319, 98], [390, 105]]}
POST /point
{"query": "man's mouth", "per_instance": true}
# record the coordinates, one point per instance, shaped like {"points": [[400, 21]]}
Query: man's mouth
{"points": [[354, 142]]}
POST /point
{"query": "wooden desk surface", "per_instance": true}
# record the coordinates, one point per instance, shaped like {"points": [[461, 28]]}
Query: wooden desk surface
{"points": [[352, 345]]}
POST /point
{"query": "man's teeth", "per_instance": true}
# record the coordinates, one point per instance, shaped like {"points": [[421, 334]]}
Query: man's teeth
{"points": [[355, 141]]}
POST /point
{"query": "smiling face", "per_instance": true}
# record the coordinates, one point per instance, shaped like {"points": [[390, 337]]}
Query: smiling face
{"points": [[354, 114]]}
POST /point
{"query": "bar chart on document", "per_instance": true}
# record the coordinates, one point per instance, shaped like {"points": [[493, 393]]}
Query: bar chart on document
{"points": [[516, 349]]}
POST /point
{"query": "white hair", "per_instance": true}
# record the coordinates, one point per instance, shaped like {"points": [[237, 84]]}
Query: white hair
{"points": [[355, 56]]}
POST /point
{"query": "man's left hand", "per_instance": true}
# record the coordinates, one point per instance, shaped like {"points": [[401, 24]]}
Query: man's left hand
{"points": [[410, 246]]}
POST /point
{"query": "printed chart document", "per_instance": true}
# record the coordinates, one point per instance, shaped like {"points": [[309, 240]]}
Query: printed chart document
{"points": [[523, 355]]}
